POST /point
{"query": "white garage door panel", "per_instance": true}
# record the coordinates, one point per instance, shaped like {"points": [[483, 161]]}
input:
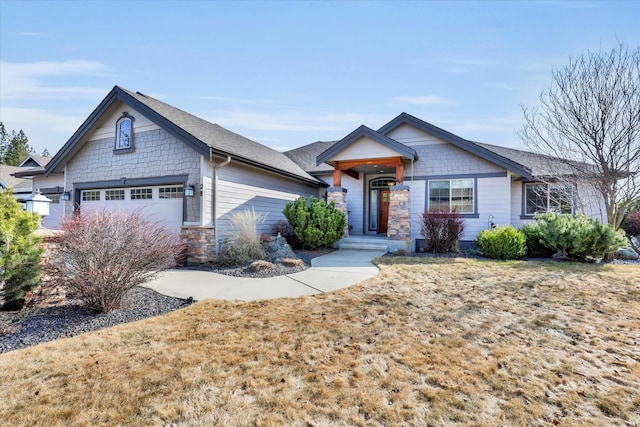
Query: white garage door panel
{"points": [[165, 211]]}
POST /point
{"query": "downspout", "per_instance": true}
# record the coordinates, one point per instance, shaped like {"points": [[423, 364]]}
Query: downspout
{"points": [[215, 196]]}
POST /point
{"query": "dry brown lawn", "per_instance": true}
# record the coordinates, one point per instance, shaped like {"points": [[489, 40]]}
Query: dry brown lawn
{"points": [[429, 342]]}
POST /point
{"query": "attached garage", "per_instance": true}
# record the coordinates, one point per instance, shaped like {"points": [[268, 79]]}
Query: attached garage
{"points": [[160, 204]]}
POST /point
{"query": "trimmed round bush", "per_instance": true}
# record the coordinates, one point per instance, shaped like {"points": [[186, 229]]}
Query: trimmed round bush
{"points": [[534, 242], [502, 243]]}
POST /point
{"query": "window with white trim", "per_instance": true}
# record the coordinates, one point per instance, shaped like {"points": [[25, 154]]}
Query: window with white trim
{"points": [[452, 194], [90, 196], [540, 198], [175, 192], [141, 194], [114, 195], [124, 132], [55, 198]]}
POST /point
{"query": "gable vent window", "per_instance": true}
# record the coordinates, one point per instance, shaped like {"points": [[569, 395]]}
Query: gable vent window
{"points": [[124, 134]]}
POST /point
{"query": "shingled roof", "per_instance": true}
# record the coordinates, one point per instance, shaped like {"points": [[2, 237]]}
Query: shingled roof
{"points": [[7, 180], [203, 136], [306, 156], [539, 165]]}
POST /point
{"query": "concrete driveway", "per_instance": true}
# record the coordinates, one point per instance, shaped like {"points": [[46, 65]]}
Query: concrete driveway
{"points": [[337, 270]]}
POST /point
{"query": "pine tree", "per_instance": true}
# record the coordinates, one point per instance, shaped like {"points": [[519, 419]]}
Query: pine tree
{"points": [[17, 149], [20, 252]]}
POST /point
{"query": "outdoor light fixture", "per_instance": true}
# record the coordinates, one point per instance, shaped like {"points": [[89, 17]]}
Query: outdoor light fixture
{"points": [[189, 191], [37, 203], [66, 196]]}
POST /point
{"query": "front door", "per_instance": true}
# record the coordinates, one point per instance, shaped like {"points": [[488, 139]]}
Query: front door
{"points": [[384, 211]]}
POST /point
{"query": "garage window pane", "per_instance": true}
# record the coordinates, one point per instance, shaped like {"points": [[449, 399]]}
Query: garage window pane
{"points": [[88, 196], [141, 194], [171, 192], [114, 195]]}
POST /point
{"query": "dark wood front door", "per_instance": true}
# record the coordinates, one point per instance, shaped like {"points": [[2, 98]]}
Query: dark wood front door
{"points": [[384, 211]]}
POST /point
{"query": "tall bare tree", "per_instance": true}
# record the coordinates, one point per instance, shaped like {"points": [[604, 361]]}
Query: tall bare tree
{"points": [[589, 120]]}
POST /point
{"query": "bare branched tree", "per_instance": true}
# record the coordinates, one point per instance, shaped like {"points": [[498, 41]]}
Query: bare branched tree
{"points": [[589, 121]]}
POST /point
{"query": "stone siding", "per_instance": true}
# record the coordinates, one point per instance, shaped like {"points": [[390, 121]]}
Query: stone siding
{"points": [[339, 195], [399, 227], [157, 153], [199, 244]]}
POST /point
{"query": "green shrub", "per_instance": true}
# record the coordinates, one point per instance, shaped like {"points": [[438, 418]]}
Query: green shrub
{"points": [[535, 246], [316, 223], [20, 252], [441, 229], [579, 237], [502, 243]]}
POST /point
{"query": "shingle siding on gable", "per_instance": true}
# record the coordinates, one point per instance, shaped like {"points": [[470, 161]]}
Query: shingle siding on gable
{"points": [[445, 159], [157, 153]]}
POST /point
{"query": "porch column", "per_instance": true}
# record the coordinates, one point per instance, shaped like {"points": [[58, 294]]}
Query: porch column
{"points": [[339, 195], [399, 228]]}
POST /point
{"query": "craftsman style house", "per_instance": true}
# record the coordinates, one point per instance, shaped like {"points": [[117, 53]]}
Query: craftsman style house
{"points": [[136, 152]]}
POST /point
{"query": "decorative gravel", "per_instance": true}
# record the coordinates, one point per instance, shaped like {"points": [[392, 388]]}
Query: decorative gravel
{"points": [[278, 269], [27, 328]]}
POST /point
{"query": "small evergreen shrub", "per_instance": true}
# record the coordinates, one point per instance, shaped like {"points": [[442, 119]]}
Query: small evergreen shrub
{"points": [[535, 247], [285, 230], [102, 255], [579, 237], [316, 223], [441, 230], [632, 223], [20, 251], [502, 243]]}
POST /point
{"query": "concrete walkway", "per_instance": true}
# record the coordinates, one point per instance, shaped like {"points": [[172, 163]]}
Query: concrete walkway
{"points": [[337, 270]]}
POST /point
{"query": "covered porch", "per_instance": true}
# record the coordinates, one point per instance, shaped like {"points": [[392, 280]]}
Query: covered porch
{"points": [[378, 163]]}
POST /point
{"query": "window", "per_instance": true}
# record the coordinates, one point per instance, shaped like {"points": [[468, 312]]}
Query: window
{"points": [[114, 195], [88, 196], [55, 198], [171, 192], [141, 194], [541, 198], [452, 194], [124, 132]]}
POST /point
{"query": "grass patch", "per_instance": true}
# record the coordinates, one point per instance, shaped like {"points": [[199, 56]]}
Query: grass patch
{"points": [[429, 341]]}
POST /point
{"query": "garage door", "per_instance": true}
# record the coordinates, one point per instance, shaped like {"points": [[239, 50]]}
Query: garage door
{"points": [[161, 204]]}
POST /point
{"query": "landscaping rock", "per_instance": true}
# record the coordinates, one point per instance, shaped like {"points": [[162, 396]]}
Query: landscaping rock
{"points": [[277, 249], [626, 254], [260, 265]]}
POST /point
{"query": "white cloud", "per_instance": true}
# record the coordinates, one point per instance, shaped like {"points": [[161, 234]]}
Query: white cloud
{"points": [[424, 100], [26, 80]]}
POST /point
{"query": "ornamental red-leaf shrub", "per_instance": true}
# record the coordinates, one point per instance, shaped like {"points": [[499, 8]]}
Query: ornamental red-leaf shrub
{"points": [[101, 255], [632, 223], [441, 229]]}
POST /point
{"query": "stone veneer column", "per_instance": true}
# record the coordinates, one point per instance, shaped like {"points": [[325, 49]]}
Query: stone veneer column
{"points": [[339, 195], [199, 243], [399, 227]]}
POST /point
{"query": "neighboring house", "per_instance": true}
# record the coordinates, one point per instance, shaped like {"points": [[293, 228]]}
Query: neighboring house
{"points": [[21, 187], [51, 187], [389, 177], [136, 152]]}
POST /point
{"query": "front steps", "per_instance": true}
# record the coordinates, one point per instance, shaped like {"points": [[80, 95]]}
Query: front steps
{"points": [[364, 243]]}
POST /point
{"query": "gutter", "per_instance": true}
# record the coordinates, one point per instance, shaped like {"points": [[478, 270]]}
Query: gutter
{"points": [[215, 196]]}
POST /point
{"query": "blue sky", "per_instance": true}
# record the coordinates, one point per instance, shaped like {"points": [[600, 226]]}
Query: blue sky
{"points": [[289, 73]]}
